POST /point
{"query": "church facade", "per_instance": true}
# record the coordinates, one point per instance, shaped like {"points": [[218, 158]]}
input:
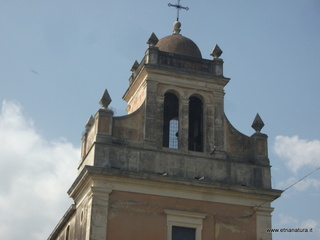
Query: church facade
{"points": [[173, 168]]}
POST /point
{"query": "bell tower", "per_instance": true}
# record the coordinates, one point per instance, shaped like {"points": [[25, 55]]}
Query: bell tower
{"points": [[182, 92], [174, 167]]}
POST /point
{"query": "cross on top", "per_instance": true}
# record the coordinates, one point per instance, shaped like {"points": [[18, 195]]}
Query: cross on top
{"points": [[178, 7]]}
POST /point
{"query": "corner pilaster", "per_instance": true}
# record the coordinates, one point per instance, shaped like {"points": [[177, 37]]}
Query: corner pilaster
{"points": [[263, 216], [151, 110], [152, 55], [209, 143], [183, 124], [219, 124], [104, 117], [260, 148], [159, 120], [98, 218]]}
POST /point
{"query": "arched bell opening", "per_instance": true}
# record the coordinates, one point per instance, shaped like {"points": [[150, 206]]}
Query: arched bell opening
{"points": [[170, 121], [195, 136]]}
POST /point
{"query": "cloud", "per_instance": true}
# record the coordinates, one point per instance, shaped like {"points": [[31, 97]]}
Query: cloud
{"points": [[35, 175], [309, 223], [300, 186], [309, 182], [286, 221], [297, 152]]}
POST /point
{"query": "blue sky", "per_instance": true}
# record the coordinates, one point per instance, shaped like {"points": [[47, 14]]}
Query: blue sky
{"points": [[57, 57]]}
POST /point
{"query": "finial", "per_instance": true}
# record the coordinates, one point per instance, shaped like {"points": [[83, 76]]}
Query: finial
{"points": [[105, 99], [257, 124], [176, 27], [134, 66], [216, 52], [153, 40], [178, 7], [89, 123]]}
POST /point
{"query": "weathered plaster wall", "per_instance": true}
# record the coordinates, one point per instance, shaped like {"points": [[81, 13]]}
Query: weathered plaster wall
{"points": [[189, 165], [142, 216], [239, 146], [130, 126]]}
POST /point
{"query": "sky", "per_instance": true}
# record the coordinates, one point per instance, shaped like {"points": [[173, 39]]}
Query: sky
{"points": [[57, 57]]}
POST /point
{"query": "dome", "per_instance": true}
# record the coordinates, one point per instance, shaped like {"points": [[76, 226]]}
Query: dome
{"points": [[179, 44], [176, 43]]}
